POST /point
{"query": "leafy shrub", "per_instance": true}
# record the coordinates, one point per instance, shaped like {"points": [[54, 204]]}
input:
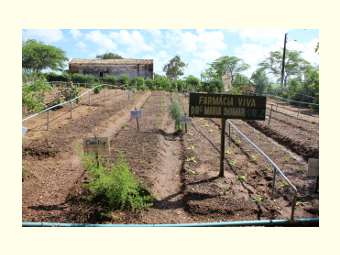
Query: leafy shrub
{"points": [[149, 84], [110, 79], [97, 89], [70, 91], [58, 77], [84, 78], [137, 83], [176, 114], [33, 94], [123, 80], [192, 83], [116, 187]]}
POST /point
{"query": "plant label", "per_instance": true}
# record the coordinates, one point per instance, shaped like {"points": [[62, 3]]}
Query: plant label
{"points": [[98, 145], [313, 167], [226, 106], [136, 114]]}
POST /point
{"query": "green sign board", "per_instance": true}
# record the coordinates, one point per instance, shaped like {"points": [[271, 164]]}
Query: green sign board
{"points": [[217, 105]]}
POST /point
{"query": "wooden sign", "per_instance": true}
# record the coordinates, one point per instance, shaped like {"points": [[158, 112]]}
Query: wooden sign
{"points": [[98, 145], [136, 114], [313, 167], [214, 105]]}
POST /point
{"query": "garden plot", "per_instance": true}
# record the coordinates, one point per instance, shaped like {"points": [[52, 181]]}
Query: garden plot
{"points": [[51, 164]]}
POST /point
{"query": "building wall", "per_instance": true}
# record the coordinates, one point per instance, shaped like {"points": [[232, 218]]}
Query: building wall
{"points": [[136, 70]]}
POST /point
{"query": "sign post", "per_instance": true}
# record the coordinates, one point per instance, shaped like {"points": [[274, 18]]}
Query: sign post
{"points": [[226, 106], [136, 114]]}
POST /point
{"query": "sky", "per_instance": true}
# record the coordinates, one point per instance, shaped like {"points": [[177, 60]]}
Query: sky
{"points": [[196, 47]]}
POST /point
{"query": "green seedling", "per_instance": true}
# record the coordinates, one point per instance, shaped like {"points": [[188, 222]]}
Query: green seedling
{"points": [[191, 159], [283, 184], [238, 141], [253, 158], [286, 158], [241, 178], [258, 199], [231, 162], [300, 170], [192, 172], [191, 147], [228, 152]]}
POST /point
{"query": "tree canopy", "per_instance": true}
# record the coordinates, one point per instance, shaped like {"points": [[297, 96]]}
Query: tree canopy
{"points": [[230, 65], [294, 64], [37, 56], [174, 68], [260, 79], [109, 55]]}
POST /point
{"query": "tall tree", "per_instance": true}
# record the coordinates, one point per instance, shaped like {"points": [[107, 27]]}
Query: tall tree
{"points": [[174, 68], [37, 56], [294, 64], [109, 55], [260, 79], [230, 65]]}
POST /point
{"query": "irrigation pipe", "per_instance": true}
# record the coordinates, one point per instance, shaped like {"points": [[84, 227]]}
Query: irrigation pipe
{"points": [[247, 223]]}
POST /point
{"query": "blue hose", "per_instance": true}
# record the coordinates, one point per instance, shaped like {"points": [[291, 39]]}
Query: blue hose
{"points": [[280, 222]]}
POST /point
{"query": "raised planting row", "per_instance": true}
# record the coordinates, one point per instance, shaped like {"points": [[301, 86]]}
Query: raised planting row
{"points": [[51, 161]]}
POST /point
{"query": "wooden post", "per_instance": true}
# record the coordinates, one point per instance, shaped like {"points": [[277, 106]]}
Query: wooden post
{"points": [[298, 113], [137, 120], [317, 184], [185, 123], [229, 135], [90, 98], [48, 119], [270, 114], [221, 174], [71, 109]]}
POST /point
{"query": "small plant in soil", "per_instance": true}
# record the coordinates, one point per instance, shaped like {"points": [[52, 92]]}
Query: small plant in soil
{"points": [[228, 152], [238, 141], [115, 186], [258, 199], [241, 178], [191, 147], [191, 159], [232, 162], [176, 114], [253, 158]]}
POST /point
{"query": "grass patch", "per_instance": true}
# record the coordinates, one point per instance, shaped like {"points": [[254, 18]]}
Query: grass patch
{"points": [[115, 186]]}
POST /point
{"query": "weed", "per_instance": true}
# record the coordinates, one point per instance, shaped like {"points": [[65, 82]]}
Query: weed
{"points": [[258, 199], [176, 114], [253, 158], [241, 178], [228, 152], [238, 141], [191, 147], [116, 186], [232, 162], [191, 159]]}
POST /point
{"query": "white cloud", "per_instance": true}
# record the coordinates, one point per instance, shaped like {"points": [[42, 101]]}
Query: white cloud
{"points": [[81, 45], [263, 36], [75, 33], [307, 49], [102, 40], [44, 35], [133, 41]]}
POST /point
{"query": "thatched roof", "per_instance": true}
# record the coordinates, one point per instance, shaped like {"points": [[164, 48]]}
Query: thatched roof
{"points": [[123, 61]]}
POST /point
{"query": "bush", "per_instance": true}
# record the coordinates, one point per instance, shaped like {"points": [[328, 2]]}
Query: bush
{"points": [[213, 86], [115, 187], [84, 78], [70, 91], [33, 94], [123, 81], [137, 83], [97, 89], [58, 77], [149, 84], [192, 83], [176, 114], [110, 79]]}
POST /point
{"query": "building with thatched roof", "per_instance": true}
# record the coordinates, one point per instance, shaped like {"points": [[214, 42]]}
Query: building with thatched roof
{"points": [[101, 67]]}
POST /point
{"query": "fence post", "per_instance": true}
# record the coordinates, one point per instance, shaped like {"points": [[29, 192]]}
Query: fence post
{"points": [[293, 207], [71, 109], [270, 114], [274, 180], [298, 113], [90, 97], [229, 134], [48, 119]]}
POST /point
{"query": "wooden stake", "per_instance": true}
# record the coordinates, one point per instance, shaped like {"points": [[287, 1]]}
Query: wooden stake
{"points": [[221, 174], [270, 114]]}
